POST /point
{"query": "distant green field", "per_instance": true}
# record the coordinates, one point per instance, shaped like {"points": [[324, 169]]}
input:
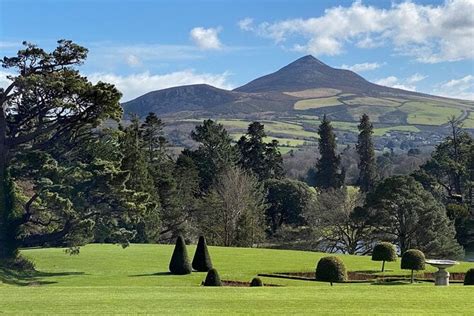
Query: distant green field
{"points": [[426, 113], [372, 101], [105, 279], [316, 103], [469, 121], [272, 127]]}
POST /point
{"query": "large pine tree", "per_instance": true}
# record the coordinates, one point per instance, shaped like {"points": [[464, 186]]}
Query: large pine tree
{"points": [[329, 174], [365, 149]]}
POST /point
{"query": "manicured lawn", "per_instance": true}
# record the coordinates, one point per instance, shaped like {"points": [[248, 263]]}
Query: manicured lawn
{"points": [[109, 279]]}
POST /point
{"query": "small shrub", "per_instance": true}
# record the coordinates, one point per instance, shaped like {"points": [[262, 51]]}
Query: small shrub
{"points": [[179, 263], [202, 260], [256, 282], [331, 269], [469, 277], [384, 251], [212, 278], [413, 259]]}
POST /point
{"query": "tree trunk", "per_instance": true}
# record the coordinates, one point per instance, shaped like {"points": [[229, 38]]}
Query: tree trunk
{"points": [[412, 276], [383, 265]]}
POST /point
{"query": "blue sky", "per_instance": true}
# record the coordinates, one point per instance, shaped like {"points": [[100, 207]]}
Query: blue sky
{"points": [[427, 46]]}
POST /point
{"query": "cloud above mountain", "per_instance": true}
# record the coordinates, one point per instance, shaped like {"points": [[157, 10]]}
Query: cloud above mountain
{"points": [[206, 38], [427, 33]]}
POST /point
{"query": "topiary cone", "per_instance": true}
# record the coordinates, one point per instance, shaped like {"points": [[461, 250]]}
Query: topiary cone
{"points": [[256, 282], [212, 278], [202, 260], [179, 263], [469, 277]]}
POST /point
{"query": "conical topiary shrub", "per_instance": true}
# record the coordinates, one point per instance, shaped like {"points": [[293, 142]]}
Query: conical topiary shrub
{"points": [[179, 263], [256, 282], [202, 260], [384, 251], [212, 278], [469, 277]]}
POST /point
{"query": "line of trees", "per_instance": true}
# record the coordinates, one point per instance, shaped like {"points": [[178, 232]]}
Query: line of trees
{"points": [[67, 180]]}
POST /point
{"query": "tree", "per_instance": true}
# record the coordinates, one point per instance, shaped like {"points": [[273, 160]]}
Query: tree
{"points": [[202, 260], [331, 269], [179, 263], [339, 223], [328, 172], [46, 101], [212, 278], [402, 211], [263, 159], [384, 251], [233, 213], [413, 259], [365, 149], [152, 137], [214, 154], [288, 200]]}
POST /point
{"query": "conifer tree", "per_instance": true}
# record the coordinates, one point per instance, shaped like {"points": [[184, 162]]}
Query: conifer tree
{"points": [[202, 260], [365, 149], [212, 278], [179, 263], [329, 174]]}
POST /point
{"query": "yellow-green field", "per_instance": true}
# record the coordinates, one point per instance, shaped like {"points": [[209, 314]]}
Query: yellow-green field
{"points": [[426, 113], [316, 103], [106, 279]]}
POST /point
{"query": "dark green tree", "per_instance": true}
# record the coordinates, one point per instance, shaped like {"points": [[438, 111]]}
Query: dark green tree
{"points": [[179, 263], [263, 159], [256, 282], [288, 200], [153, 139], [365, 150], [329, 174], [413, 259], [469, 277], [214, 154], [331, 269], [405, 213], [384, 251], [69, 104], [202, 260], [212, 278]]}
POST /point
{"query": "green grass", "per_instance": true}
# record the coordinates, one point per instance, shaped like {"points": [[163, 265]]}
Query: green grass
{"points": [[371, 101], [106, 279], [426, 113], [469, 121], [272, 127]]}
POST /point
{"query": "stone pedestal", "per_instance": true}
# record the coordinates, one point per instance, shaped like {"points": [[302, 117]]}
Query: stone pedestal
{"points": [[441, 277]]}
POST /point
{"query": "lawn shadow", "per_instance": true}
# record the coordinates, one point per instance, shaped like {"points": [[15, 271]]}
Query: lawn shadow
{"points": [[30, 278], [150, 274], [392, 283]]}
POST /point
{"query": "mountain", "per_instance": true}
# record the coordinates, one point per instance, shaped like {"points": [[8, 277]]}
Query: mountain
{"points": [[308, 87]]}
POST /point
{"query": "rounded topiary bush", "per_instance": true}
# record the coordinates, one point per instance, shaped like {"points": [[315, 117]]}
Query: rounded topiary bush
{"points": [[256, 282], [331, 269], [179, 263], [202, 260], [384, 251], [212, 278], [413, 259], [469, 277]]}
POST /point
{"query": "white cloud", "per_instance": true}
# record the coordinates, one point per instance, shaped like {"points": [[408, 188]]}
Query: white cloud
{"points": [[395, 82], [462, 88], [416, 78], [427, 33], [133, 61], [135, 85], [361, 67], [206, 38]]}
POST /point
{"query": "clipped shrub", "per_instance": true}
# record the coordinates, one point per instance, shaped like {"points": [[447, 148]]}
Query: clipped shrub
{"points": [[179, 263], [331, 269], [202, 260], [384, 251], [469, 277], [256, 282], [413, 259], [212, 278]]}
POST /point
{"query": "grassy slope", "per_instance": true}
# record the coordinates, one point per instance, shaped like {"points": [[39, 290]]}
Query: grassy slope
{"points": [[107, 279]]}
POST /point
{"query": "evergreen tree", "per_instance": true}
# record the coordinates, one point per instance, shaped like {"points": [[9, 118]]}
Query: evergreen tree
{"points": [[263, 159], [365, 149], [329, 174], [153, 140], [212, 278], [202, 260], [179, 263], [215, 153]]}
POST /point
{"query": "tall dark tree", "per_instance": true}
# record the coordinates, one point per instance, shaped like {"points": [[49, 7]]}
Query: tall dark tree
{"points": [[263, 159], [365, 149], [202, 260], [179, 263], [214, 154], [153, 138], [45, 101], [329, 174]]}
